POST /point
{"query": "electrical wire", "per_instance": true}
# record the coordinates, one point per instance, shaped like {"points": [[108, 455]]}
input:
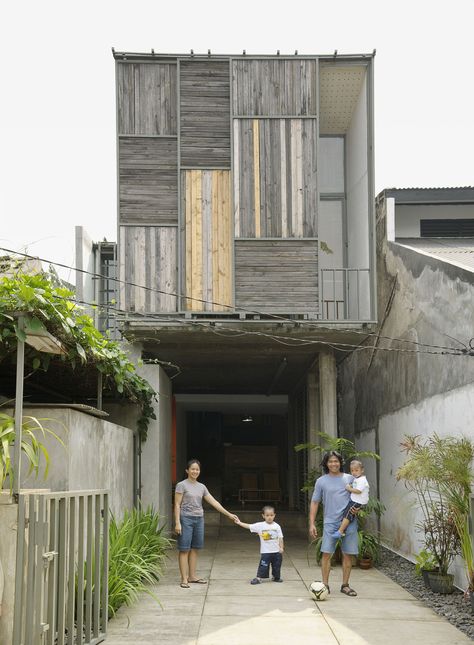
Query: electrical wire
{"points": [[286, 340]]}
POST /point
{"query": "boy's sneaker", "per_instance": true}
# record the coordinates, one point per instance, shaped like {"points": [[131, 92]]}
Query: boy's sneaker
{"points": [[255, 581], [277, 579], [337, 535]]}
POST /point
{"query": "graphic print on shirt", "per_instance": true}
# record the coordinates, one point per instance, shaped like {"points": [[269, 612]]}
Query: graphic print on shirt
{"points": [[272, 534]]}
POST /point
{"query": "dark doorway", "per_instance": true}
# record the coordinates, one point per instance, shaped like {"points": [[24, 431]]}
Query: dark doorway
{"points": [[241, 455]]}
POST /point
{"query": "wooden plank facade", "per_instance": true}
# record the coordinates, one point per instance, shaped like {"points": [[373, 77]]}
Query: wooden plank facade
{"points": [[218, 182], [149, 259], [204, 114], [275, 178], [148, 180], [208, 240], [277, 276]]}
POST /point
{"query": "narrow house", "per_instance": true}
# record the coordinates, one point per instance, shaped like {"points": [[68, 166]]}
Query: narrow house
{"points": [[246, 256]]}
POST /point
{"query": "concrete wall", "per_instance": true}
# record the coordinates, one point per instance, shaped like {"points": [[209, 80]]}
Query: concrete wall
{"points": [[407, 217], [96, 454], [156, 451], [384, 394]]}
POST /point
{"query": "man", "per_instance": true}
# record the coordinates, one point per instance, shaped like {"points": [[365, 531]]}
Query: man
{"points": [[330, 489]]}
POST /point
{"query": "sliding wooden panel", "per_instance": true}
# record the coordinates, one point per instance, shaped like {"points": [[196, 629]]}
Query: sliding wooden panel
{"points": [[274, 87], [275, 178], [148, 258], [208, 237], [277, 276], [146, 98], [205, 114], [148, 180]]}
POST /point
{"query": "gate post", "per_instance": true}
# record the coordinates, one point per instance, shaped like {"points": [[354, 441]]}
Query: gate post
{"points": [[8, 536]]}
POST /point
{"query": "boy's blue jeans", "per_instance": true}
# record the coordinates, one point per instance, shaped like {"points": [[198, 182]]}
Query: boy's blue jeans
{"points": [[267, 559]]}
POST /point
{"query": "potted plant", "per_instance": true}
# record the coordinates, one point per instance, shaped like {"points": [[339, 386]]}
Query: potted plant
{"points": [[425, 472], [369, 549], [425, 562]]}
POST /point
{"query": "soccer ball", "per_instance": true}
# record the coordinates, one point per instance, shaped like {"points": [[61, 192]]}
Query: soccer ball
{"points": [[318, 590]]}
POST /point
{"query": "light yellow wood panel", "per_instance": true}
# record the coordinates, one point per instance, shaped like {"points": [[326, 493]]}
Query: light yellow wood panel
{"points": [[227, 260], [188, 236], [196, 261], [256, 171]]}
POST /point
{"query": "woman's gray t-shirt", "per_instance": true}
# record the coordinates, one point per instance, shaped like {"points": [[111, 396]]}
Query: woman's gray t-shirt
{"points": [[193, 492]]}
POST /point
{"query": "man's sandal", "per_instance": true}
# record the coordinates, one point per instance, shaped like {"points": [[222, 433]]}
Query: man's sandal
{"points": [[345, 589]]}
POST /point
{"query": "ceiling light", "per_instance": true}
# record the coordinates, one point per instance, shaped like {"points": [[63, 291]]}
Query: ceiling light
{"points": [[247, 419]]}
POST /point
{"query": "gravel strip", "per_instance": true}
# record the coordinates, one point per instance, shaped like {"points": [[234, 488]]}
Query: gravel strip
{"points": [[454, 607]]}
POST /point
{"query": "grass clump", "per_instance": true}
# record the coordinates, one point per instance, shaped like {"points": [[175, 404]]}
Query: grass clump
{"points": [[137, 554]]}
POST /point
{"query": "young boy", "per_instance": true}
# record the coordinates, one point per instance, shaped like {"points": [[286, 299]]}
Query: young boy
{"points": [[359, 490], [271, 545]]}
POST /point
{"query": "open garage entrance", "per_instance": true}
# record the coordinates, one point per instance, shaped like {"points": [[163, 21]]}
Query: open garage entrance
{"points": [[245, 445]]}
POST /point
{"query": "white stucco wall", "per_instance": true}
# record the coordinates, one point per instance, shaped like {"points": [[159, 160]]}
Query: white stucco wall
{"points": [[407, 217], [450, 413], [357, 190]]}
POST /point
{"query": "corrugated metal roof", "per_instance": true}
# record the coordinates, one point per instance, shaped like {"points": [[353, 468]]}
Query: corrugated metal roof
{"points": [[457, 251], [456, 195]]}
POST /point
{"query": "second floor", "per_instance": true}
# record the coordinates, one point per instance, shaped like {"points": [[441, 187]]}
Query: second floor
{"points": [[245, 185]]}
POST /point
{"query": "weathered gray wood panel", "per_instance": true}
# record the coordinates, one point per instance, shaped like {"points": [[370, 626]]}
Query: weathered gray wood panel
{"points": [[274, 87], [277, 275], [148, 180], [148, 258], [205, 114], [275, 177], [147, 98]]}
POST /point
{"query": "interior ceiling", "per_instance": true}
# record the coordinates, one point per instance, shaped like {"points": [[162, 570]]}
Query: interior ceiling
{"points": [[339, 91]]}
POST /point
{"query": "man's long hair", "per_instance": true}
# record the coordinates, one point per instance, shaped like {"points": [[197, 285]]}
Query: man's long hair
{"points": [[327, 456]]}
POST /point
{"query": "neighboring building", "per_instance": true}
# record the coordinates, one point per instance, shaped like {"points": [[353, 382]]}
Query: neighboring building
{"points": [[425, 298], [96, 280], [245, 213]]}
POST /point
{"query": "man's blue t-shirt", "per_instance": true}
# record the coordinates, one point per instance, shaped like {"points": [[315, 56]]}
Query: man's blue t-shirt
{"points": [[331, 490]]}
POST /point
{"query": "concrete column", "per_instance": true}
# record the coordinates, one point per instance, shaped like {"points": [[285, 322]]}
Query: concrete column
{"points": [[156, 451], [8, 535], [314, 413], [327, 393]]}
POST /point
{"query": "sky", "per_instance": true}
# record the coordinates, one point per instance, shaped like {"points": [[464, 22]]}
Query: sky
{"points": [[57, 106]]}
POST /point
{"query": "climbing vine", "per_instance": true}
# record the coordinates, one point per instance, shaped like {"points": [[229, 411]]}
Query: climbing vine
{"points": [[45, 304]]}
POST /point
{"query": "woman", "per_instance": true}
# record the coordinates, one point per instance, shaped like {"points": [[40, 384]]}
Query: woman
{"points": [[189, 519]]}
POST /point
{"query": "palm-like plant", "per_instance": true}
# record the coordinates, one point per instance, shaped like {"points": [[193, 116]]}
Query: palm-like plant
{"points": [[31, 446], [439, 471]]}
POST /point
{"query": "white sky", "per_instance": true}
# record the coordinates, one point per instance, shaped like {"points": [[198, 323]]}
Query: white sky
{"points": [[57, 106]]}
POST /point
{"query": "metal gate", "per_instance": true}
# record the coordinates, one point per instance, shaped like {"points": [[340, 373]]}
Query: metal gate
{"points": [[61, 568]]}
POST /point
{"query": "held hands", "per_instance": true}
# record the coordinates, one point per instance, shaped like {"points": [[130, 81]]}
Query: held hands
{"points": [[235, 518], [237, 521]]}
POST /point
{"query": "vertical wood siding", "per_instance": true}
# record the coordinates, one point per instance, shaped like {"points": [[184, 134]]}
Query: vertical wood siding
{"points": [[277, 276], [208, 236], [274, 87], [275, 178], [148, 180], [148, 257], [147, 98], [205, 114]]}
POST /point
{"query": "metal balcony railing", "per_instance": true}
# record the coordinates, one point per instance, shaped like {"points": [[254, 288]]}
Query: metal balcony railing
{"points": [[345, 294]]}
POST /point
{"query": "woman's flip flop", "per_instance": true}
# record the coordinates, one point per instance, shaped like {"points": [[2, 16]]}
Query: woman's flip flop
{"points": [[184, 585], [199, 581]]}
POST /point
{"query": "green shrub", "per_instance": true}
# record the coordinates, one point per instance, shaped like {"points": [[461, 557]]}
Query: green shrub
{"points": [[137, 553]]}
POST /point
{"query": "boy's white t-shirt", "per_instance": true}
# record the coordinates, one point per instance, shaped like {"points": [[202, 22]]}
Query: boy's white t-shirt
{"points": [[268, 534], [361, 484]]}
